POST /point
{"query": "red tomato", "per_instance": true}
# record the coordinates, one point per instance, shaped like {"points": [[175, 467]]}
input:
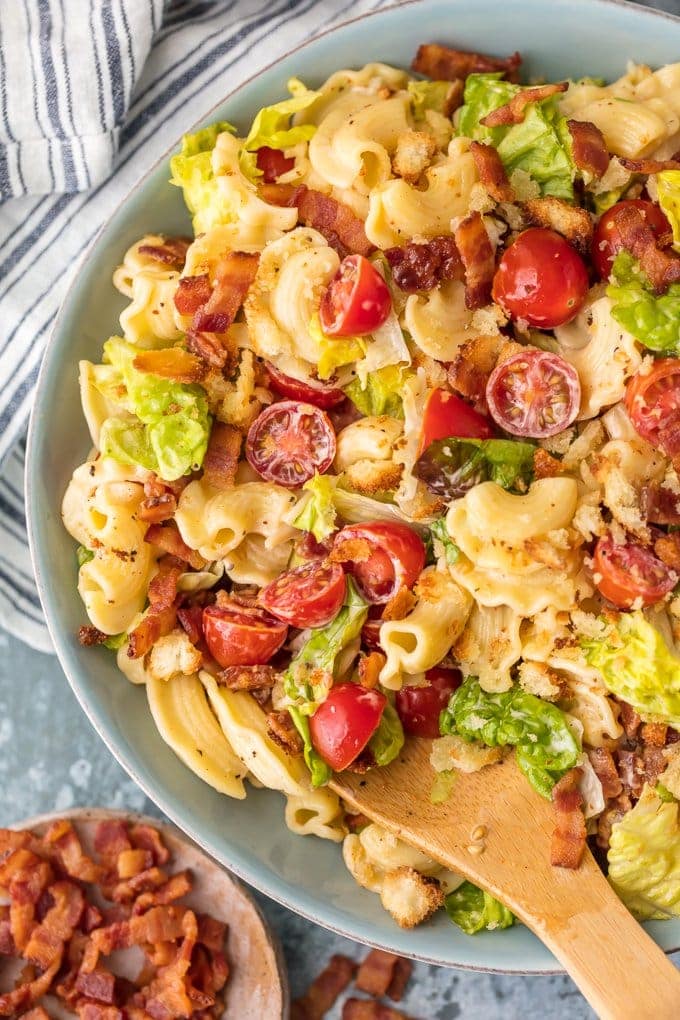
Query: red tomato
{"points": [[288, 442], [419, 707], [447, 415], [533, 393], [607, 239], [320, 394], [653, 404], [630, 572], [541, 279], [397, 556], [370, 634], [345, 722], [308, 596], [242, 635], [357, 300], [273, 163]]}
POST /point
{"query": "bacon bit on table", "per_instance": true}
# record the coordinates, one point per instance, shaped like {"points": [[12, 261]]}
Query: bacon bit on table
{"points": [[221, 457], [324, 990], [64, 935], [421, 267], [588, 147], [172, 252], [569, 837], [478, 259], [171, 363], [469, 373], [167, 537], [384, 973], [514, 111], [369, 669], [649, 166], [604, 766], [571, 221], [492, 172], [662, 268], [447, 64]]}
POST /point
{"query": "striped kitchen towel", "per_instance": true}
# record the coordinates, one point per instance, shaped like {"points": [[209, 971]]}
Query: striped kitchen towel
{"points": [[92, 92]]}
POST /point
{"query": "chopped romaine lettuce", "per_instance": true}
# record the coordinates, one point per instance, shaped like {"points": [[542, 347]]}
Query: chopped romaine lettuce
{"points": [[115, 641], [668, 187], [644, 857], [539, 145], [271, 127], [653, 319], [637, 665], [83, 555], [442, 786], [428, 95], [169, 434], [388, 739], [318, 514], [334, 352], [319, 771], [440, 534], [191, 170], [449, 467], [474, 910], [381, 393], [545, 746]]}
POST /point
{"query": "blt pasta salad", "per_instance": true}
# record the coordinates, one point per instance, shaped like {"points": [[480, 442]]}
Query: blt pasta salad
{"points": [[388, 451]]}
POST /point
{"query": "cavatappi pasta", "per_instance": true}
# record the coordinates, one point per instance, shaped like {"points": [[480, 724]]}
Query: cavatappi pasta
{"points": [[387, 450]]}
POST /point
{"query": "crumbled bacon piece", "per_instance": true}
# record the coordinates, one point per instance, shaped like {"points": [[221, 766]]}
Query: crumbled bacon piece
{"points": [[171, 363], [100, 984], [324, 990], [370, 1009], [384, 973], [89, 636], [370, 667], [156, 509], [588, 147], [156, 624], [282, 731], [514, 111], [630, 720], [569, 837], [604, 766], [654, 734], [190, 618], [659, 504], [667, 548], [192, 293], [145, 837], [172, 252], [247, 678], [167, 537], [662, 268], [221, 458], [208, 346], [341, 227], [546, 466], [612, 814], [492, 172], [475, 361], [234, 273], [478, 259], [569, 220], [447, 64], [649, 166], [111, 838], [421, 267]]}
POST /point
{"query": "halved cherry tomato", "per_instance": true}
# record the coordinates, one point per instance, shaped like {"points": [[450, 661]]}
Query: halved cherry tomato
{"points": [[653, 404], [533, 393], [273, 163], [356, 301], [289, 442], [308, 596], [419, 707], [396, 557], [242, 635], [447, 415], [630, 572], [370, 634], [345, 722], [311, 392], [541, 279], [607, 239]]}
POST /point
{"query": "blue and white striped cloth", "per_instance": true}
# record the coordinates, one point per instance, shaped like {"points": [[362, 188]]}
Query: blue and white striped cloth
{"points": [[92, 92]]}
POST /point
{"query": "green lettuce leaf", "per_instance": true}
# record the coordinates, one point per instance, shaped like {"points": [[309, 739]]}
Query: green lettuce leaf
{"points": [[170, 431], [319, 771], [442, 786], [388, 739], [83, 555], [334, 352], [271, 126], [449, 467], [653, 320], [644, 858], [191, 170], [637, 665], [318, 514], [382, 392], [115, 641], [439, 532], [474, 910], [539, 145], [545, 746], [428, 95], [668, 187], [307, 679]]}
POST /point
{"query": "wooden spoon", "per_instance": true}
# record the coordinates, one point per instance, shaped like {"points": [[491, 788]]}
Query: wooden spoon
{"points": [[619, 969], [257, 985]]}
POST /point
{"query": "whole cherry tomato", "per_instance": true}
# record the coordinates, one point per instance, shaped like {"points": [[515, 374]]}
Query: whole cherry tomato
{"points": [[419, 707], [310, 391], [447, 415], [273, 163], [607, 241], [626, 573], [242, 635], [533, 393], [344, 723], [356, 301], [396, 557], [541, 279], [289, 442], [308, 596], [653, 404]]}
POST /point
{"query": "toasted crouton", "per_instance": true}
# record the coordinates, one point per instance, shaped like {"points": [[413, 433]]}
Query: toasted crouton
{"points": [[173, 655], [538, 679], [413, 154], [410, 897], [571, 221], [474, 363], [370, 477]]}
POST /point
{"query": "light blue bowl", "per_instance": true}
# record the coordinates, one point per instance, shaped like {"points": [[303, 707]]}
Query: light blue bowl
{"points": [[558, 39]]}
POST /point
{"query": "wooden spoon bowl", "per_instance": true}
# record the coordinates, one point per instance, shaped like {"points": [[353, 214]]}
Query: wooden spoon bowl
{"points": [[258, 985]]}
